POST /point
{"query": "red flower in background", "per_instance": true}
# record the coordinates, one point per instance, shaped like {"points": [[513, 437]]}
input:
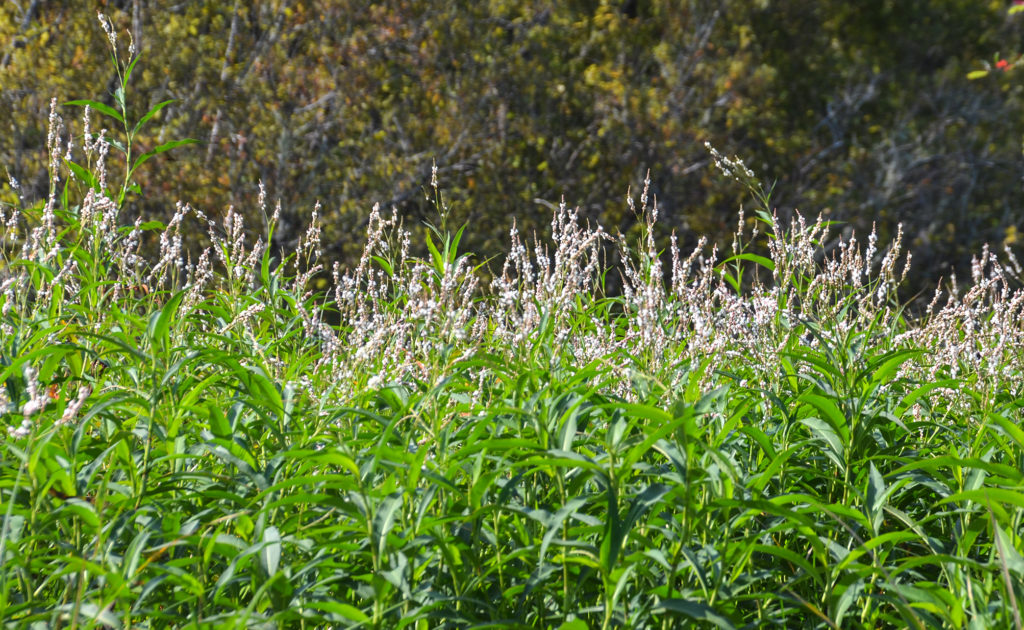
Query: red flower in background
{"points": [[1003, 64]]}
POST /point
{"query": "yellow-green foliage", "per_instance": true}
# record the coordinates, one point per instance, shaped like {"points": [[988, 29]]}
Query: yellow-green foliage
{"points": [[861, 110]]}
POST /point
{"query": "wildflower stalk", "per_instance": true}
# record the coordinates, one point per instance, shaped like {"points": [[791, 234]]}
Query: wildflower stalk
{"points": [[123, 69]]}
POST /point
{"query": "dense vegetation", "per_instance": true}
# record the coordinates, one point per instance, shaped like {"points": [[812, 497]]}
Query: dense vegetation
{"points": [[861, 111], [210, 439]]}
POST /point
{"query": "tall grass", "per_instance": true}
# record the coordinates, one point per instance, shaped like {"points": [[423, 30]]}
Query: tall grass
{"points": [[760, 439]]}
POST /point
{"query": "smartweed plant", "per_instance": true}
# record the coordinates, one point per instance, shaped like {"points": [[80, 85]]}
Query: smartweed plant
{"points": [[765, 439]]}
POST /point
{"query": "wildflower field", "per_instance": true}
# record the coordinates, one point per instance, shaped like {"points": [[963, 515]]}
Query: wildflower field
{"points": [[757, 435]]}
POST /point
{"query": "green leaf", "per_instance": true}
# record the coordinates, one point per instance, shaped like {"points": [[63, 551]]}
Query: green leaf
{"points": [[698, 611], [760, 437], [556, 458], [890, 362], [761, 479], [83, 174], [985, 496], [91, 612], [133, 555], [831, 412], [128, 71], [612, 535], [384, 520], [641, 503], [643, 448], [850, 593], [821, 430], [167, 146], [160, 323], [152, 112], [1008, 553], [219, 424], [1011, 428], [453, 247], [733, 282], [100, 107], [554, 521], [117, 144], [257, 382], [877, 495], [435, 254], [767, 263], [83, 510], [977, 74], [653, 414], [385, 265], [341, 609], [270, 555], [793, 558], [909, 400]]}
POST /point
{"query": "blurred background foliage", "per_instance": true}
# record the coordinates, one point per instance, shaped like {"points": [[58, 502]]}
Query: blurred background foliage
{"points": [[858, 110]]}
